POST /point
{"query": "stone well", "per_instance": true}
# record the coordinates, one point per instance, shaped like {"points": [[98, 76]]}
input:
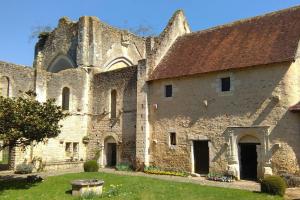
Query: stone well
{"points": [[80, 187]]}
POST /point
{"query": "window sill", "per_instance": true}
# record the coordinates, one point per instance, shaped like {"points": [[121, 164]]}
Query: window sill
{"points": [[172, 147]]}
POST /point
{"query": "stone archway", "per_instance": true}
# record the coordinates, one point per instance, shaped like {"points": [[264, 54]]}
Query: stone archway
{"points": [[117, 63], [59, 63], [5, 158], [252, 136], [110, 152]]}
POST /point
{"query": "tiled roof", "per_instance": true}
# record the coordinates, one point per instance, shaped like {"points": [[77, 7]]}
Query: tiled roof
{"points": [[266, 39], [295, 108]]}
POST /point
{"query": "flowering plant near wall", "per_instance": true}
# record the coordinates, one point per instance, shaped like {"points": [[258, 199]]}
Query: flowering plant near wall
{"points": [[158, 171], [215, 176]]}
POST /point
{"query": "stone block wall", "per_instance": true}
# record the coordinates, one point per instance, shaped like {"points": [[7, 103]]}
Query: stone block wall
{"points": [[142, 123], [122, 128], [21, 78], [89, 42], [63, 40], [260, 96]]}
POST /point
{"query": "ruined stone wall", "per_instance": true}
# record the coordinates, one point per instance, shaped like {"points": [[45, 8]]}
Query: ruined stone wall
{"points": [[90, 42], [159, 46], [21, 78], [260, 96], [122, 128], [63, 40], [118, 43]]}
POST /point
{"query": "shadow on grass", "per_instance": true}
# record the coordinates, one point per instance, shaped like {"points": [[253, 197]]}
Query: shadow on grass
{"points": [[10, 182], [68, 192]]}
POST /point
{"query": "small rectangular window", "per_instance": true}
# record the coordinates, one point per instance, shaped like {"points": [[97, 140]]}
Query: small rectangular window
{"points": [[173, 138], [75, 149], [68, 149], [168, 91], [225, 84]]}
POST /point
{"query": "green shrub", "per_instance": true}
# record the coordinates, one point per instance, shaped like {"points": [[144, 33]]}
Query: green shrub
{"points": [[123, 167], [91, 166], [24, 168], [274, 185]]}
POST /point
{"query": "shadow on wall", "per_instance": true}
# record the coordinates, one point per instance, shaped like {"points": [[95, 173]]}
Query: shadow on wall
{"points": [[287, 157], [265, 112], [129, 116]]}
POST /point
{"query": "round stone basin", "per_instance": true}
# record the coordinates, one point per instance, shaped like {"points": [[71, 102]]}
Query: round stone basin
{"points": [[80, 187]]}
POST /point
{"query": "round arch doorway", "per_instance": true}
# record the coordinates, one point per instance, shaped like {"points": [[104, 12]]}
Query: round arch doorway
{"points": [[110, 152], [248, 157]]}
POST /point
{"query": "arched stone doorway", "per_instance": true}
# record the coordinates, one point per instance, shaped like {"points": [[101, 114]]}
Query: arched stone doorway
{"points": [[243, 141], [249, 151], [110, 152], [4, 158]]}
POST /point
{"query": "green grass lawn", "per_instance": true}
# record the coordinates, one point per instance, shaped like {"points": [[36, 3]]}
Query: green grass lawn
{"points": [[58, 187]]}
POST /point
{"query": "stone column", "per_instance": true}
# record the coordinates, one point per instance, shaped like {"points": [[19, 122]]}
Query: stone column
{"points": [[40, 79], [83, 42], [89, 42], [142, 123], [233, 160], [267, 166]]}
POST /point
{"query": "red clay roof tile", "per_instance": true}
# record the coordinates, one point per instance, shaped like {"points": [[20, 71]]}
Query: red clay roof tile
{"points": [[270, 38], [295, 108]]}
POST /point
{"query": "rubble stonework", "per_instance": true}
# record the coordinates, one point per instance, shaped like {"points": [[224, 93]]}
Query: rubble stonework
{"points": [[119, 112]]}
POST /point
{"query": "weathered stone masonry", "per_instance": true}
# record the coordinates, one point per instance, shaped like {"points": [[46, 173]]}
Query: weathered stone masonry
{"points": [[123, 127], [118, 104]]}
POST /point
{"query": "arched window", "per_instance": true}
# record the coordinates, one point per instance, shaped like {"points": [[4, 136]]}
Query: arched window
{"points": [[60, 63], [113, 104], [4, 86], [65, 98], [118, 63]]}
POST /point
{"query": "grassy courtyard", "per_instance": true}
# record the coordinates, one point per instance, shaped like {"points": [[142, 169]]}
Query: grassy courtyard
{"points": [[130, 187]]}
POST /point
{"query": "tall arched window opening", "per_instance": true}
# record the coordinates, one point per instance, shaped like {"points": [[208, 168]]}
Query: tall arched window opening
{"points": [[113, 104], [4, 86], [65, 98]]}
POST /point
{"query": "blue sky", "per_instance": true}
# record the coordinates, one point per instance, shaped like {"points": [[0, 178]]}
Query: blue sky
{"points": [[18, 17]]}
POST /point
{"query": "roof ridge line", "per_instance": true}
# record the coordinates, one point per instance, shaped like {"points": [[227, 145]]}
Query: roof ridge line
{"points": [[241, 21]]}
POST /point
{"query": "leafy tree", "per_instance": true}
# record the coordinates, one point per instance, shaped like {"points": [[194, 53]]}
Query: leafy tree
{"points": [[24, 120]]}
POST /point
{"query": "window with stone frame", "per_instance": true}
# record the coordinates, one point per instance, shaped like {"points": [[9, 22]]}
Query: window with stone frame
{"points": [[225, 84], [65, 98], [75, 149], [68, 149], [173, 141], [168, 90]]}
